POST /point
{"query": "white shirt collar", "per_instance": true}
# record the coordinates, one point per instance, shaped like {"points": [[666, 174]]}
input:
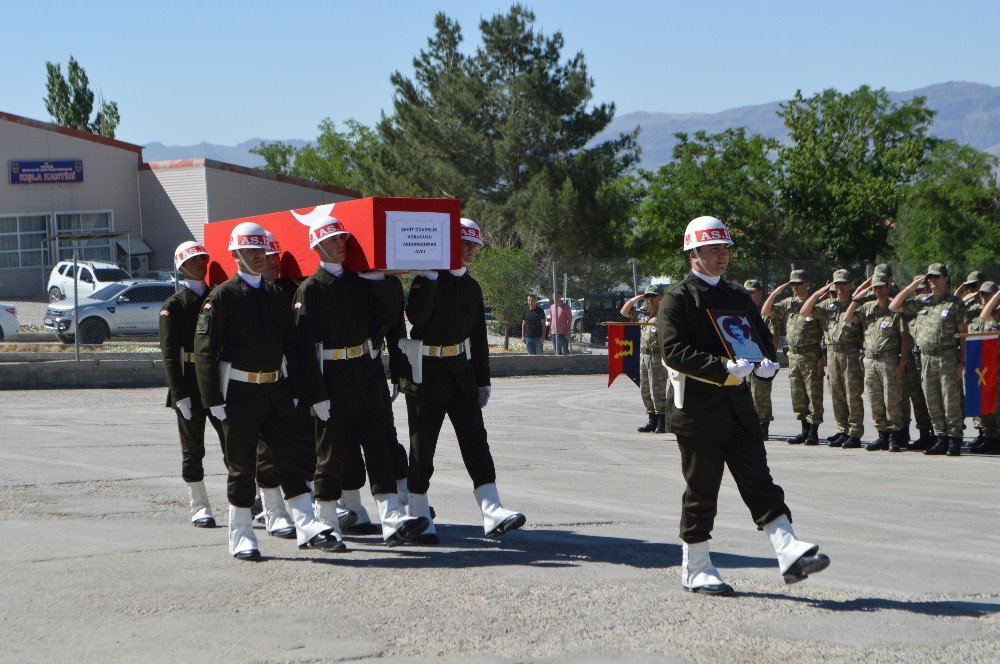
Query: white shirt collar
{"points": [[459, 272], [714, 281], [199, 287], [336, 269], [252, 279]]}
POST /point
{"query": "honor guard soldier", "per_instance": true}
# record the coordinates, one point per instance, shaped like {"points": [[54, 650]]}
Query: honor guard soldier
{"points": [[939, 318], [335, 310], [985, 320], [652, 375], [448, 373], [716, 424], [178, 318], [843, 358], [244, 333], [805, 357], [887, 346], [761, 389]]}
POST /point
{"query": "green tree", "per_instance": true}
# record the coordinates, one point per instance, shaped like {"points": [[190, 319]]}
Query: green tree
{"points": [[508, 129], [845, 172], [70, 101], [951, 213], [505, 275], [341, 158]]}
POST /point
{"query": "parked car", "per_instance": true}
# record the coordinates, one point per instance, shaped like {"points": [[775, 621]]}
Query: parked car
{"points": [[8, 321], [118, 310], [157, 275], [602, 308], [94, 275]]}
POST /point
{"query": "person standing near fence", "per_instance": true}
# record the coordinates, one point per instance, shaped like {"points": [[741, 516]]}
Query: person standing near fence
{"points": [[843, 358], [533, 326], [939, 317], [805, 357], [761, 389], [652, 374], [716, 425], [887, 346], [178, 318], [561, 317]]}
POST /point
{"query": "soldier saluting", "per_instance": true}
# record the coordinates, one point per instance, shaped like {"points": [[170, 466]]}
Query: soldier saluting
{"points": [[448, 373], [717, 425], [178, 319], [244, 332]]}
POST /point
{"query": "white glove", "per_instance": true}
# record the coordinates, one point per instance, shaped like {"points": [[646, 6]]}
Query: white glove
{"points": [[184, 406], [322, 410], [395, 392], [741, 368], [767, 369], [295, 403], [484, 396], [219, 412], [430, 275], [372, 276]]}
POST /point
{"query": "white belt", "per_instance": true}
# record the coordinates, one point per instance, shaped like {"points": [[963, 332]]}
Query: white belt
{"points": [[256, 377], [445, 351], [348, 353]]}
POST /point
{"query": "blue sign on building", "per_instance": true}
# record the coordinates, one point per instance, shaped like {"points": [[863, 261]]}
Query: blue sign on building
{"points": [[45, 172]]}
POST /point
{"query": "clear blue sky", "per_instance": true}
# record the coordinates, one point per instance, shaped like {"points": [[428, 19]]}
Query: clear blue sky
{"points": [[223, 72]]}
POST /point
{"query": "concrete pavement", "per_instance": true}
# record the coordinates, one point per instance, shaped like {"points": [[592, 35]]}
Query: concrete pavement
{"points": [[98, 562]]}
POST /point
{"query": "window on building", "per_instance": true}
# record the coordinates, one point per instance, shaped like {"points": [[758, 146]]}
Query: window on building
{"points": [[22, 241], [86, 222]]}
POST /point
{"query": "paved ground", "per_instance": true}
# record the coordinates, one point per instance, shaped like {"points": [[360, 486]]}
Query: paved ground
{"points": [[98, 563]]}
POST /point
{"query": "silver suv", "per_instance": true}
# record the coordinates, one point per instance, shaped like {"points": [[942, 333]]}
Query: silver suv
{"points": [[120, 310], [94, 275]]}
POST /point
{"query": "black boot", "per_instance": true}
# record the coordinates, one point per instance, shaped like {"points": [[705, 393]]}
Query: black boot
{"points": [[954, 446], [881, 444], [813, 436], [896, 440], [925, 441], [801, 438], [977, 444], [837, 439], [661, 424], [851, 443], [988, 445], [904, 436], [940, 447], [648, 426], [764, 426]]}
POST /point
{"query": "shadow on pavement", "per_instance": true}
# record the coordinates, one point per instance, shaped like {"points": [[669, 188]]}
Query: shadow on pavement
{"points": [[941, 608]]}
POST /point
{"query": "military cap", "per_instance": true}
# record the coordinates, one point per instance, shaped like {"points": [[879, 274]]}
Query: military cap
{"points": [[880, 279], [841, 276], [937, 269], [988, 287], [974, 278], [652, 290], [883, 268], [797, 277], [753, 284]]}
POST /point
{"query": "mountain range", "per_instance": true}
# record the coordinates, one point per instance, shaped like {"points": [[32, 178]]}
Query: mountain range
{"points": [[966, 112]]}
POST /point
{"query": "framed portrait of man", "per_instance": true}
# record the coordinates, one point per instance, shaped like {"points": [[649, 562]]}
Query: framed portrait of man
{"points": [[737, 335]]}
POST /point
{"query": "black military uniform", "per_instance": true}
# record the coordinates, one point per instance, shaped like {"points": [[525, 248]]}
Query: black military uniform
{"points": [[447, 312], [178, 318], [339, 312], [718, 425]]}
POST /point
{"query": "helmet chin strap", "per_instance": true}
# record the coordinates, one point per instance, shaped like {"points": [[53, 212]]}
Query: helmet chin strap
{"points": [[701, 263], [326, 256], [242, 261]]}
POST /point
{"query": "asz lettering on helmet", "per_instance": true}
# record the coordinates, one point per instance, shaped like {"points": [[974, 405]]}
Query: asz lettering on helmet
{"points": [[707, 236], [703, 231]]}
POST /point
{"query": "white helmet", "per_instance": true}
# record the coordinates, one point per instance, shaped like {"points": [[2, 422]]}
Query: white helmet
{"points": [[248, 235], [703, 231], [273, 246], [186, 250], [471, 231], [324, 228]]}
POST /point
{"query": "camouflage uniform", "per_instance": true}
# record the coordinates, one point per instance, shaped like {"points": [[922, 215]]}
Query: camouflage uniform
{"points": [[937, 320], [843, 367], [912, 386], [803, 336], [652, 374], [883, 332], [760, 390]]}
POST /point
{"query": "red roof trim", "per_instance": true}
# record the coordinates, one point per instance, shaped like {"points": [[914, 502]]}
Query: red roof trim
{"points": [[75, 133], [245, 170]]}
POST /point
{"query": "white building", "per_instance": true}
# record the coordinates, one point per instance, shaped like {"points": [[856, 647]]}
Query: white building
{"points": [[61, 180]]}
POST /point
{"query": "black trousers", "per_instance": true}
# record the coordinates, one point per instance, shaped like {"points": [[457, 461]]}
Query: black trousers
{"points": [[260, 415], [354, 463], [192, 433], [703, 461], [339, 434], [304, 440], [425, 420]]}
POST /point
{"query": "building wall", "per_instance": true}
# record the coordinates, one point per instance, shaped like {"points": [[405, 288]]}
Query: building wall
{"points": [[232, 195], [175, 204], [109, 184]]}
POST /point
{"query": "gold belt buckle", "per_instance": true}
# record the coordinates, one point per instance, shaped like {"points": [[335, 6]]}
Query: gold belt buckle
{"points": [[263, 377], [189, 358], [355, 351], [449, 351]]}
